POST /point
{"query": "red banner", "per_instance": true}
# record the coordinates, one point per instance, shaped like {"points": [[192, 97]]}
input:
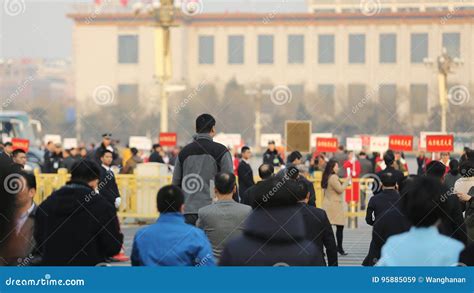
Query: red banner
{"points": [[20, 143], [402, 143], [439, 143], [326, 144], [168, 139]]}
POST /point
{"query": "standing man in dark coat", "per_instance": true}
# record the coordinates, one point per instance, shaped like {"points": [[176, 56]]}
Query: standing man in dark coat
{"points": [[265, 172], [156, 156], [105, 145], [383, 201], [271, 155], [107, 184], [318, 228], [389, 160], [245, 172]]}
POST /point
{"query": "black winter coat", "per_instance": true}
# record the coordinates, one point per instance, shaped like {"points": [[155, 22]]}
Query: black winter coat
{"points": [[76, 227], [273, 237]]}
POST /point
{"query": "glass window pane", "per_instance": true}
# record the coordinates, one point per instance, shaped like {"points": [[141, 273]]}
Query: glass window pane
{"points": [[295, 49], [419, 47], [356, 93], [452, 43], [357, 48], [127, 94], [388, 48], [206, 49], [265, 49], [418, 98], [326, 98], [326, 48], [388, 97], [128, 49], [236, 50]]}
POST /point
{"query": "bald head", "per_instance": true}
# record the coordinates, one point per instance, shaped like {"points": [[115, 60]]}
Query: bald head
{"points": [[265, 171]]}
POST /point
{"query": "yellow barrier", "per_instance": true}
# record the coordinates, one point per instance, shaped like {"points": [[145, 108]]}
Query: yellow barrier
{"points": [[138, 193]]}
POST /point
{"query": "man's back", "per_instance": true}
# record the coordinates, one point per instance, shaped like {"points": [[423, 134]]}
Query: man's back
{"points": [[380, 203], [366, 166], [196, 166], [171, 242], [222, 221], [398, 176], [76, 226]]}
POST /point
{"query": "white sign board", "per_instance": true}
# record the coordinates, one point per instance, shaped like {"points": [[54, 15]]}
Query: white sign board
{"points": [[354, 144], [140, 142], [379, 144], [316, 135], [229, 139], [69, 143], [423, 135], [55, 138], [266, 137]]}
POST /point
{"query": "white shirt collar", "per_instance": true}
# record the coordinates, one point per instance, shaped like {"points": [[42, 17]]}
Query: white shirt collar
{"points": [[106, 168]]}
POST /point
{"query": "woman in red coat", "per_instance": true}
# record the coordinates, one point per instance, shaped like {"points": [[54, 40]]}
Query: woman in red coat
{"points": [[352, 165]]}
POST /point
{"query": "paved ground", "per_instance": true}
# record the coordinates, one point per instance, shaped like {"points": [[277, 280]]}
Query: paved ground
{"points": [[356, 243]]}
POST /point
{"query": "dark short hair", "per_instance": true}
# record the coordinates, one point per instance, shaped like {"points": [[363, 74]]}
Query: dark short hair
{"points": [[362, 154], [435, 169], [388, 179], [8, 144], [300, 190], [169, 199], [205, 123], [388, 158], [105, 152], [156, 145], [467, 169], [265, 171], [29, 178], [279, 192], [224, 182], [244, 149], [422, 200], [294, 156], [134, 151], [454, 167], [85, 171], [18, 151]]}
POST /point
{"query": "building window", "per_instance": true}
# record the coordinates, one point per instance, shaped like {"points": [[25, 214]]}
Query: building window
{"points": [[356, 48], [388, 48], [206, 49], [265, 49], [419, 98], [419, 47], [128, 49], [235, 50], [326, 49], [127, 94], [296, 49], [326, 98], [452, 43], [356, 93], [297, 91], [388, 97]]}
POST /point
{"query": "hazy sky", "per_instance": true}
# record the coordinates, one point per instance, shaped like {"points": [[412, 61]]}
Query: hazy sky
{"points": [[40, 29]]}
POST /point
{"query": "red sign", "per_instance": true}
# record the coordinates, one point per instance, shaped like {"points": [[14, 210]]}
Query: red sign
{"points": [[20, 143], [326, 144], [168, 139], [365, 140], [402, 143], [439, 143]]}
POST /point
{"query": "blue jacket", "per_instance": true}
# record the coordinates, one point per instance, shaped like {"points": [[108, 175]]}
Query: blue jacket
{"points": [[171, 242]]}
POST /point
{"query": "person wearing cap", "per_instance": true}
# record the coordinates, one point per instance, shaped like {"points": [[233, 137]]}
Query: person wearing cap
{"points": [[55, 159], [271, 155], [105, 145]]}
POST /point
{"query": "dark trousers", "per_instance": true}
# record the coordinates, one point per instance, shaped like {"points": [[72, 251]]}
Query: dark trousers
{"points": [[191, 219], [339, 233]]}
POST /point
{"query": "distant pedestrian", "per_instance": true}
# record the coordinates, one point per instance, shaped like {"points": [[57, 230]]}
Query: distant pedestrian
{"points": [[19, 157], [389, 161], [132, 163], [244, 172], [106, 144], [68, 160], [157, 154], [170, 241], [352, 166], [341, 157], [271, 155], [197, 164], [224, 219], [265, 172], [384, 200], [453, 174]]}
